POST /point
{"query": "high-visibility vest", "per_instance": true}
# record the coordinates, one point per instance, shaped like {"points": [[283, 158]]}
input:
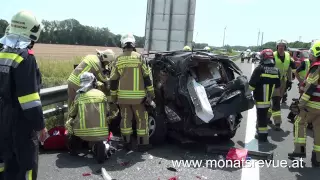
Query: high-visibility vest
{"points": [[282, 66], [303, 73]]}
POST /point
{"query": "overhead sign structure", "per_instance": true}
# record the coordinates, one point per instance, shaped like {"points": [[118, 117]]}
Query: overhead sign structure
{"points": [[169, 24]]}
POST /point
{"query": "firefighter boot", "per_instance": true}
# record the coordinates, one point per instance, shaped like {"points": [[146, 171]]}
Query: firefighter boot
{"points": [[263, 137], [143, 143], [299, 152], [314, 161], [127, 143], [284, 98]]}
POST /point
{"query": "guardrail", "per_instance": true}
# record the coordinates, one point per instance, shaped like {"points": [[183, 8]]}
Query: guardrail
{"points": [[59, 95]]}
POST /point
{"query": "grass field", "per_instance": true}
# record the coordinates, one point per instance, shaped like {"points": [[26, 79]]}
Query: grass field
{"points": [[56, 61]]}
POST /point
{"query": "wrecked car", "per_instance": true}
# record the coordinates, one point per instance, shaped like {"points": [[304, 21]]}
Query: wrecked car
{"points": [[198, 94]]}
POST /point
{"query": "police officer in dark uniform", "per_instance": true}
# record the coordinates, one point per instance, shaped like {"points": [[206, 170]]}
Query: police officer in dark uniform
{"points": [[21, 116], [265, 78]]}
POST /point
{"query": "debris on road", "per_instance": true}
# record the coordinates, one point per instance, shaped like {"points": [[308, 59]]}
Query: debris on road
{"points": [[123, 162], [174, 178], [105, 174], [86, 174], [172, 169], [150, 157], [201, 177]]}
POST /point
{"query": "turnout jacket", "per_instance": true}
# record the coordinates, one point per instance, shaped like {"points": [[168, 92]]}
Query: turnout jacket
{"points": [[264, 79], [90, 63], [130, 79], [20, 104], [311, 91], [90, 115]]}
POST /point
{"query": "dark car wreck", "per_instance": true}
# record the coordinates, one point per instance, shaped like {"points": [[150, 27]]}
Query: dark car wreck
{"points": [[197, 94]]}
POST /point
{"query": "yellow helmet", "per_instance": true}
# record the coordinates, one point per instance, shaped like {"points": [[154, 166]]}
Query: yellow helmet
{"points": [[187, 48], [106, 55], [315, 49], [7, 30], [128, 39], [25, 24]]}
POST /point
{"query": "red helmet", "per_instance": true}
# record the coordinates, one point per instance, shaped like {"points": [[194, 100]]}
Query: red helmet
{"points": [[266, 54]]}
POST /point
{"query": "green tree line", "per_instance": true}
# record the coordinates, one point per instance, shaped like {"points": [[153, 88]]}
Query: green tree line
{"points": [[71, 31], [272, 45]]}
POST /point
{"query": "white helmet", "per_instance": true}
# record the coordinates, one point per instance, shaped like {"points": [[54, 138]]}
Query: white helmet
{"points": [[248, 50], [7, 30], [207, 48], [128, 39], [107, 55], [25, 24]]}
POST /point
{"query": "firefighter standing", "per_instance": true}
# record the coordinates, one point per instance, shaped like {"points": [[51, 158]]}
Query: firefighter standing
{"points": [[90, 63], [286, 66], [265, 78], [21, 116], [309, 110], [89, 114], [130, 84]]}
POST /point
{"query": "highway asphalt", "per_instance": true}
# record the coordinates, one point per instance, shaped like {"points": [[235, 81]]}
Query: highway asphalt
{"points": [[157, 163]]}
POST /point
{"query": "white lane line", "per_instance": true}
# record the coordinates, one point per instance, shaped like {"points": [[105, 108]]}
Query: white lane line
{"points": [[253, 171]]}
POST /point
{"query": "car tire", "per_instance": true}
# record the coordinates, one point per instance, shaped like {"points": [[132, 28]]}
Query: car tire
{"points": [[159, 134]]}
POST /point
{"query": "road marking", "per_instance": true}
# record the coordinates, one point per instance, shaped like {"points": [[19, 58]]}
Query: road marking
{"points": [[251, 143]]}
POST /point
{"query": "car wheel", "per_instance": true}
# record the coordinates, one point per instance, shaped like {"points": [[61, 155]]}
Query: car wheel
{"points": [[157, 129]]}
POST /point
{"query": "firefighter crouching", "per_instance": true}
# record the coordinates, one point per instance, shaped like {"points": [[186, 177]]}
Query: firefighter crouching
{"points": [[309, 110], [21, 116], [130, 84], [286, 66], [90, 63], [88, 117], [265, 78]]}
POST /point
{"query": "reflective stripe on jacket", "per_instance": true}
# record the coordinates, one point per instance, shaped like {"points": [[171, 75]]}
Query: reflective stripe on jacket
{"points": [[90, 112], [90, 63], [130, 79], [283, 66]]}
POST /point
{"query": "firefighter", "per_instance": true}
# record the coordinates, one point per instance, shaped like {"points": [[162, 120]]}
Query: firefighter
{"points": [[131, 87], [265, 78], [90, 63], [21, 116], [285, 65], [308, 110], [89, 114], [207, 48], [187, 48]]}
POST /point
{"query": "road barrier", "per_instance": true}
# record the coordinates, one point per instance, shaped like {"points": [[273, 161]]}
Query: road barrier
{"points": [[59, 95]]}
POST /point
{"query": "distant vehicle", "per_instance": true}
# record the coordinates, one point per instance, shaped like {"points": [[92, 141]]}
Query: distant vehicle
{"points": [[299, 55], [246, 55]]}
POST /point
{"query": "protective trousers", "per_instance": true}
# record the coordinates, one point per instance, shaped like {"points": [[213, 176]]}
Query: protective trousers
{"points": [[142, 124], [306, 115], [21, 157], [275, 111], [262, 121], [72, 92]]}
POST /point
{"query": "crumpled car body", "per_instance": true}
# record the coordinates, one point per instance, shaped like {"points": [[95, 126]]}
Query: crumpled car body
{"points": [[226, 91]]}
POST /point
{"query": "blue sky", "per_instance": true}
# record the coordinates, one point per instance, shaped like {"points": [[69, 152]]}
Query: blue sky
{"points": [[276, 18]]}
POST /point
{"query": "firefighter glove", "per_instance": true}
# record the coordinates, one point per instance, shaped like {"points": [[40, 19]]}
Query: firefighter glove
{"points": [[151, 95], [289, 85]]}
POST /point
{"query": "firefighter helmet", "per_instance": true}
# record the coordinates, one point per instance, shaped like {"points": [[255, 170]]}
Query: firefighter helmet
{"points": [[266, 56], [207, 48], [106, 55], [187, 48], [282, 42], [128, 40], [315, 49], [25, 24], [87, 79]]}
